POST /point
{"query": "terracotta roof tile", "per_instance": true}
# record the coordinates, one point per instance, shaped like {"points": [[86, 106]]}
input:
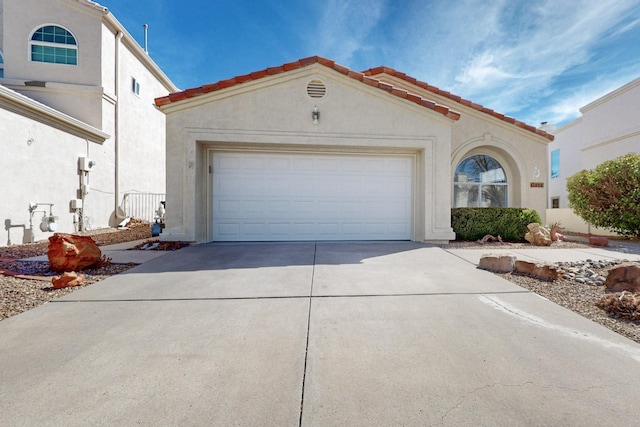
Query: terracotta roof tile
{"points": [[211, 87], [390, 71], [259, 74], [227, 83], [356, 75], [291, 66], [369, 80], [341, 69], [242, 79], [399, 92], [275, 70]]}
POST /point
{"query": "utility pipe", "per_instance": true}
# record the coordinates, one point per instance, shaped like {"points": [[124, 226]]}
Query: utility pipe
{"points": [[116, 124]]}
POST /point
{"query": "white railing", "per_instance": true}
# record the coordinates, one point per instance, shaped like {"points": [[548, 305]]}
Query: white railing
{"points": [[141, 205]]}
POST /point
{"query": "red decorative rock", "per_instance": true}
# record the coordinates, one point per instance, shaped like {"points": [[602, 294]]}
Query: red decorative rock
{"points": [[67, 279], [624, 277], [542, 271], [598, 241], [68, 252]]}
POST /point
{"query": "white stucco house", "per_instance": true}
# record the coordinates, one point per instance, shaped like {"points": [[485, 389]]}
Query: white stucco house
{"points": [[78, 126], [312, 150], [609, 127]]}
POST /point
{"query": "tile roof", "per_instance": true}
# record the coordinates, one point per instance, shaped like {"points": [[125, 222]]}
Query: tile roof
{"points": [[223, 84], [390, 71]]}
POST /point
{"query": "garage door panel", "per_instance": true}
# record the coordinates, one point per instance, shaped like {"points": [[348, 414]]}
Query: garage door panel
{"points": [[283, 196]]}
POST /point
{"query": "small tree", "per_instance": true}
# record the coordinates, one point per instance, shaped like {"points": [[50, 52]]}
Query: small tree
{"points": [[609, 195]]}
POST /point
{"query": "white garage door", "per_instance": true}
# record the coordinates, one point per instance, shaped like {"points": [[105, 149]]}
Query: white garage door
{"points": [[282, 197]]}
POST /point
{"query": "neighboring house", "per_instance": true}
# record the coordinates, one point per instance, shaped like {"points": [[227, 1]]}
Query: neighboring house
{"points": [[608, 128], [78, 127], [314, 151]]}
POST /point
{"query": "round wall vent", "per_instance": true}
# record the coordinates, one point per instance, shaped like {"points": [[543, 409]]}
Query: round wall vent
{"points": [[316, 89]]}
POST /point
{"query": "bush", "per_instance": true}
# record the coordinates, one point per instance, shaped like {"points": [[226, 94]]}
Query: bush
{"points": [[609, 195], [508, 223]]}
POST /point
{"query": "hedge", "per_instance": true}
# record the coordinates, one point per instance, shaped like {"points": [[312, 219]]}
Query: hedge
{"points": [[508, 223]]}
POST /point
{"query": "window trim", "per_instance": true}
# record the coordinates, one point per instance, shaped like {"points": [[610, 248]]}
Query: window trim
{"points": [[32, 43], [479, 185], [135, 86], [554, 164]]}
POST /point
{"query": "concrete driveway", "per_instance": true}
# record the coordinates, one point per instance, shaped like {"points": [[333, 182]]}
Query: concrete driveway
{"points": [[361, 334]]}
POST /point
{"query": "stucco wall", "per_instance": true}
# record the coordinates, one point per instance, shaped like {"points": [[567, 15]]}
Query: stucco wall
{"points": [[43, 167], [522, 153], [1, 24], [275, 113], [609, 128], [142, 129], [80, 20], [88, 93], [573, 223]]}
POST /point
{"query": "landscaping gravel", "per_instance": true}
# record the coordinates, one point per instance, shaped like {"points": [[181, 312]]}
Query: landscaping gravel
{"points": [[19, 294]]}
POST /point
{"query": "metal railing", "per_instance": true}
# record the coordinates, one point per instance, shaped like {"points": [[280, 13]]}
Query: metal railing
{"points": [[141, 205]]}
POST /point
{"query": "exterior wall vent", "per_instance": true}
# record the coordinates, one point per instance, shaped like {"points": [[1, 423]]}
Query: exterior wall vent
{"points": [[316, 89]]}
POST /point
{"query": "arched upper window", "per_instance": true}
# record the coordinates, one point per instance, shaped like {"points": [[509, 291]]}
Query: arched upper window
{"points": [[480, 181], [55, 45]]}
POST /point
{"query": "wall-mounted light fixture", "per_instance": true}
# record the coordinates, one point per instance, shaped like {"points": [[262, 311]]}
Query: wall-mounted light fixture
{"points": [[315, 114]]}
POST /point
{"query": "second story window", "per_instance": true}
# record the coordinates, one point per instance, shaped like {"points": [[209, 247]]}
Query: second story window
{"points": [[135, 86], [53, 44]]}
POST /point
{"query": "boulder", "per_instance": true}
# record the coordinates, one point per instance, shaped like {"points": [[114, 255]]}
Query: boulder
{"points": [[624, 277], [539, 270], [68, 252], [67, 279], [500, 263], [538, 235], [598, 241]]}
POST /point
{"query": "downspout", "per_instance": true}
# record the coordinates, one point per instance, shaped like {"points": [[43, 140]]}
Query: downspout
{"points": [[116, 125]]}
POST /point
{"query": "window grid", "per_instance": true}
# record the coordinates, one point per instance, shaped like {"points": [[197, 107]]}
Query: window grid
{"points": [[55, 45], [53, 34], [480, 181]]}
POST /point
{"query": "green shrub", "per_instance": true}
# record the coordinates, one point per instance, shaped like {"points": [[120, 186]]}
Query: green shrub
{"points": [[508, 223], [609, 195]]}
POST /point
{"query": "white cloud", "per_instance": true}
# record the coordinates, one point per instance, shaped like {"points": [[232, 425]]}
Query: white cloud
{"points": [[344, 27], [508, 55], [567, 107]]}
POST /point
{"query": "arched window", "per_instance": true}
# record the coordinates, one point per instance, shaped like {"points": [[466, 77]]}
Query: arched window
{"points": [[1, 66], [480, 181], [55, 45]]}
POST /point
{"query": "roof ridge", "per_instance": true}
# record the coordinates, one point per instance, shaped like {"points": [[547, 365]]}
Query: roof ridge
{"points": [[391, 71], [304, 62]]}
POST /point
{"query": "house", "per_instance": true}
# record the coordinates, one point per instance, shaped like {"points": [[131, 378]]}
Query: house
{"points": [[609, 127], [78, 126], [312, 150]]}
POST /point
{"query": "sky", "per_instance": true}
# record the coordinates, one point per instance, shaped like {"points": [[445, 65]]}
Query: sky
{"points": [[535, 60]]}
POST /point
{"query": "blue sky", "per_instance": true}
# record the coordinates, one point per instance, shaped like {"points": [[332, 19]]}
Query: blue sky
{"points": [[536, 60]]}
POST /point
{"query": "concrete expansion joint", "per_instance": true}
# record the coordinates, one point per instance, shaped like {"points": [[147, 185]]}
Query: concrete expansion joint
{"points": [[306, 349]]}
